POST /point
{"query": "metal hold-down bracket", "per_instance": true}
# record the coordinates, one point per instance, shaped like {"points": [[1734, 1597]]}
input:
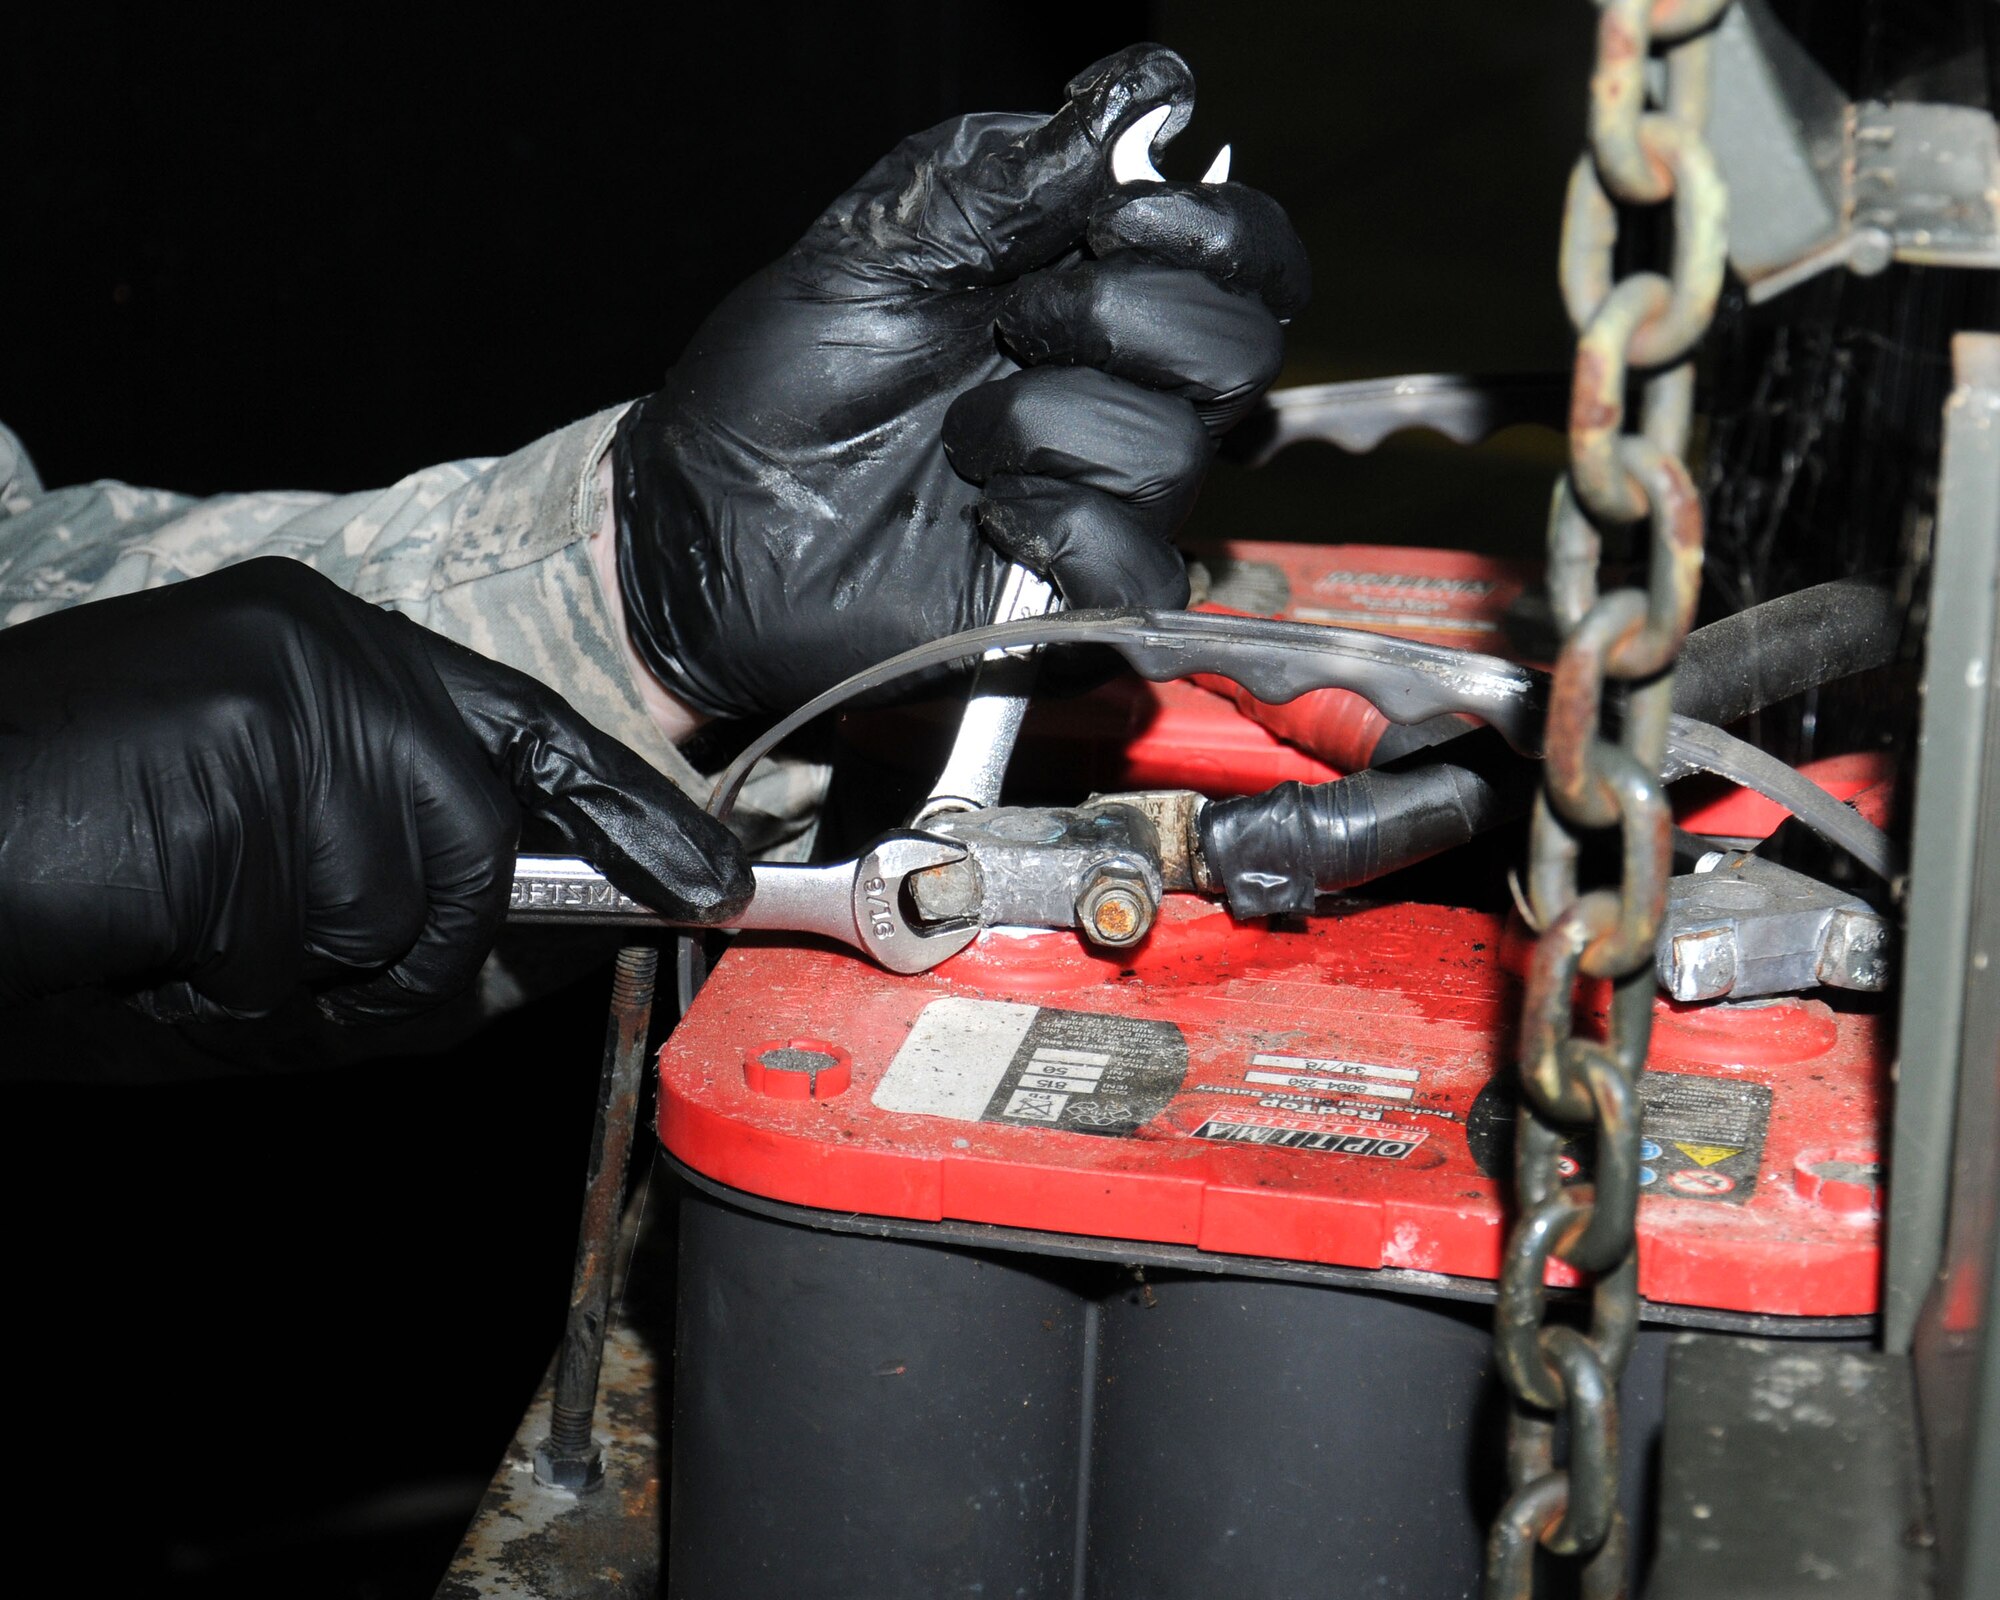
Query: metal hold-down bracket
{"points": [[1816, 182]]}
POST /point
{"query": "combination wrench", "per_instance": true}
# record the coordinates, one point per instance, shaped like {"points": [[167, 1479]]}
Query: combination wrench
{"points": [[863, 903]]}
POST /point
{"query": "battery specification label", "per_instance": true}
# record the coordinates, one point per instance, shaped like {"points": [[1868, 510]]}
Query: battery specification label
{"points": [[1082, 1072], [1034, 1066], [1328, 1075], [1322, 1086]]}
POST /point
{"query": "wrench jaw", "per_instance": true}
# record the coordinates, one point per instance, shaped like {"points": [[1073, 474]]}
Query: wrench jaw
{"points": [[883, 927]]}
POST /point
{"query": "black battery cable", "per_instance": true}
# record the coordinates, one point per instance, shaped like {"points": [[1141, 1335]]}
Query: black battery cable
{"points": [[1279, 850]]}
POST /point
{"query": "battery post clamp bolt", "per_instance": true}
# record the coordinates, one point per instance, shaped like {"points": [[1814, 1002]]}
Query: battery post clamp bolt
{"points": [[1115, 909]]}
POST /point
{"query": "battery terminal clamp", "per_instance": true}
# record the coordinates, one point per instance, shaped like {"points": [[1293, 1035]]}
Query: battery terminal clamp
{"points": [[1096, 868]]}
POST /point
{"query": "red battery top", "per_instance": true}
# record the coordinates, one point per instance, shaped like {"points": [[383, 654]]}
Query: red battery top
{"points": [[1325, 1095]]}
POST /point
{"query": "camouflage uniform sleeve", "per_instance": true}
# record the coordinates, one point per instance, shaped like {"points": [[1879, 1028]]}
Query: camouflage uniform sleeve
{"points": [[491, 552]]}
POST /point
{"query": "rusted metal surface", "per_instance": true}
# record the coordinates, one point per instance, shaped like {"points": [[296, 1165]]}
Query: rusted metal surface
{"points": [[1176, 818], [567, 1458], [528, 1542], [574, 1508], [1824, 183], [1646, 150]]}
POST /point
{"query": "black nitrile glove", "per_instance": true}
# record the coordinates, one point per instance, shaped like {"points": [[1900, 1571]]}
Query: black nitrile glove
{"points": [[985, 337], [216, 792]]}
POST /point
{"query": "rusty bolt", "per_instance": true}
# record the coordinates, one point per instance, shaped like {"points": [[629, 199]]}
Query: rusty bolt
{"points": [[1115, 908], [950, 891]]}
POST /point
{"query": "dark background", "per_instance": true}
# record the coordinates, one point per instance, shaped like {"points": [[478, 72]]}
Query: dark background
{"points": [[303, 251], [270, 1333]]}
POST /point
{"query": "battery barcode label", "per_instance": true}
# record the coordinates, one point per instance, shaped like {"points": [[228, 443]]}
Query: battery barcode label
{"points": [[1034, 1066], [1098, 1059], [1332, 1141], [1317, 1081]]}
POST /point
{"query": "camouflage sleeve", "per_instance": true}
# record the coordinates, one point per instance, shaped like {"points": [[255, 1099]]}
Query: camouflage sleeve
{"points": [[491, 552]]}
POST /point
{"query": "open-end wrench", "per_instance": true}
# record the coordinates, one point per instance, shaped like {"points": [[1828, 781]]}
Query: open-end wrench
{"points": [[862, 902]]}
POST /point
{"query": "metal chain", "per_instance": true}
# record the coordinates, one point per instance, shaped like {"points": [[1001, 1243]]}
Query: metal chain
{"points": [[1645, 150]]}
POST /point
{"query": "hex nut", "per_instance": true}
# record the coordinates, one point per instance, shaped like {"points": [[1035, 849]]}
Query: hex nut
{"points": [[1115, 909], [567, 1472]]}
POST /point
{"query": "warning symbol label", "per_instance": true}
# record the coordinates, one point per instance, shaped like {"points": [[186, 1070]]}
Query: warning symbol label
{"points": [[1700, 1137], [1704, 1136]]}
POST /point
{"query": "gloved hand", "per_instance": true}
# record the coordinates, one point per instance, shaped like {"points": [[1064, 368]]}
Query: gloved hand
{"points": [[218, 791], [985, 350]]}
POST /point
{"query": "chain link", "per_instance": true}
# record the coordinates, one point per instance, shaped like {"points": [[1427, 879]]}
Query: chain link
{"points": [[1646, 150]]}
